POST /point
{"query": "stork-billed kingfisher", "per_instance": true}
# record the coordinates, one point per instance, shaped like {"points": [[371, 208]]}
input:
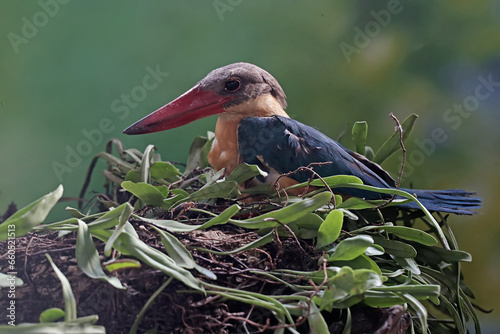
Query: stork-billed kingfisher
{"points": [[253, 127]]}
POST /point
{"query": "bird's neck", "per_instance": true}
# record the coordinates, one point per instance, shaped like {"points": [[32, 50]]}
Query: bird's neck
{"points": [[224, 152]]}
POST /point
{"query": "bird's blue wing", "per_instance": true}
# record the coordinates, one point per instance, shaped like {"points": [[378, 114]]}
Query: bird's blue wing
{"points": [[284, 145]]}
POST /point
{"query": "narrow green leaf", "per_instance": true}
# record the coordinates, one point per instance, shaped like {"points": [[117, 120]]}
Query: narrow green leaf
{"points": [[418, 291], [351, 248], [145, 192], [175, 226], [122, 220], [122, 264], [330, 229], [129, 244], [244, 172], [407, 233], [87, 257], [419, 309], [146, 164], [287, 214], [317, 323], [359, 134], [179, 196], [412, 234], [224, 189], [69, 298], [30, 216], [331, 181], [407, 263], [404, 194], [393, 143], [176, 250], [109, 219], [205, 271], [198, 153], [52, 314], [452, 255], [53, 328]]}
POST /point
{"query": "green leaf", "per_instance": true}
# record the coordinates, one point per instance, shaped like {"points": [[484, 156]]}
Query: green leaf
{"points": [[6, 280], [407, 263], [392, 191], [129, 244], [393, 143], [176, 250], [165, 170], [119, 264], [330, 229], [348, 283], [54, 328], [287, 214], [122, 220], [133, 176], [30, 216], [369, 154], [198, 152], [419, 309], [310, 221], [109, 219], [87, 257], [146, 164], [437, 254], [179, 196], [416, 290], [412, 234], [331, 181], [69, 298], [359, 133], [350, 248], [396, 248], [407, 233], [317, 323], [145, 192], [52, 314], [244, 172], [224, 189]]}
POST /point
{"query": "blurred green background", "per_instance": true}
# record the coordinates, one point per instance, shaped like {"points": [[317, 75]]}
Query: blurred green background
{"points": [[72, 76]]}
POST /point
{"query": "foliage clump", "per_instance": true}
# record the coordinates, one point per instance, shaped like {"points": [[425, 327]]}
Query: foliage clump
{"points": [[256, 259]]}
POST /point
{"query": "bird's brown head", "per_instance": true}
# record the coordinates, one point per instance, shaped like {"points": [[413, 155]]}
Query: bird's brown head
{"points": [[220, 90]]}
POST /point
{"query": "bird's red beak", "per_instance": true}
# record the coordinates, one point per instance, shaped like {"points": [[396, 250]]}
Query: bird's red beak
{"points": [[190, 106]]}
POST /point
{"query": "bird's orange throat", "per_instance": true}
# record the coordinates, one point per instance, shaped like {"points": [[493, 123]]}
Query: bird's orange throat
{"points": [[224, 152]]}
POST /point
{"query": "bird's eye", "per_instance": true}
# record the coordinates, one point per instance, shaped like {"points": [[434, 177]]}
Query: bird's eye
{"points": [[232, 85]]}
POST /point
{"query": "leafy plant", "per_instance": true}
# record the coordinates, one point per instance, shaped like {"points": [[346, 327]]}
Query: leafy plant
{"points": [[364, 252]]}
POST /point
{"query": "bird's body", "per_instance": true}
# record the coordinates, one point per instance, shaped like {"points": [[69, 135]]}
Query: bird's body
{"points": [[253, 127]]}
